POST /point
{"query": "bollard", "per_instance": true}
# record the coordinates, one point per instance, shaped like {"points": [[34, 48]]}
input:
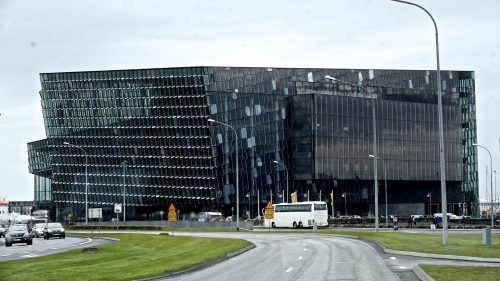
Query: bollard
{"points": [[487, 236], [315, 226]]}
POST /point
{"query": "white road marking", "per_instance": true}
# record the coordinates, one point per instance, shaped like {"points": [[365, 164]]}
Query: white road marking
{"points": [[300, 257], [304, 244], [402, 267], [29, 256], [54, 248], [289, 269], [393, 258], [305, 250], [4, 255]]}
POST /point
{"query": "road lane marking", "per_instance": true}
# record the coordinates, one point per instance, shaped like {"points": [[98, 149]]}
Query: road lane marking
{"points": [[29, 256], [304, 244], [300, 257], [393, 258], [305, 250], [402, 267], [289, 269], [4, 255]]}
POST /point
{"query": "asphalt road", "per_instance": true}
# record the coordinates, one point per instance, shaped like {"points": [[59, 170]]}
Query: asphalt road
{"points": [[41, 247], [279, 256]]}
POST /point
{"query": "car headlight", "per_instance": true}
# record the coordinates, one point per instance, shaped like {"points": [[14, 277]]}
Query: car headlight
{"points": [[50, 230]]}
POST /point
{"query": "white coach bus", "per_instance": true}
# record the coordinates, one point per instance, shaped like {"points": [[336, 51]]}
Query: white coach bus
{"points": [[300, 214]]}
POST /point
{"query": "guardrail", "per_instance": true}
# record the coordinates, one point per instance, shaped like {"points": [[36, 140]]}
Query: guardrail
{"points": [[178, 224]]}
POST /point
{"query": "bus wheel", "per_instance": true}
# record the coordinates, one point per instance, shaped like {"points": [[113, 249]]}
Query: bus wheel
{"points": [[294, 225], [273, 225], [300, 224]]}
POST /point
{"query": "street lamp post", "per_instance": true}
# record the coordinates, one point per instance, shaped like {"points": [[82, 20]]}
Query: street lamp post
{"points": [[286, 170], [491, 182], [124, 165], [249, 213], [430, 203], [375, 179], [441, 134], [86, 182], [237, 172], [385, 184], [345, 202]]}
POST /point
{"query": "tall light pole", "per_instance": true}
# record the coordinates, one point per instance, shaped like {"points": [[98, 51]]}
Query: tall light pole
{"points": [[124, 165], [237, 172], [345, 202], [430, 202], [385, 184], [444, 208], [286, 170], [375, 179], [491, 181], [496, 196], [86, 182]]}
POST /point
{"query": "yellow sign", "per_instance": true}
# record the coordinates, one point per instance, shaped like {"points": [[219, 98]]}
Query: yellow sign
{"points": [[172, 207], [294, 197], [269, 211], [172, 215]]}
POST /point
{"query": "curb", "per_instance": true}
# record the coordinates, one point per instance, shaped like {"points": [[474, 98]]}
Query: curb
{"points": [[438, 256], [200, 266], [421, 274]]}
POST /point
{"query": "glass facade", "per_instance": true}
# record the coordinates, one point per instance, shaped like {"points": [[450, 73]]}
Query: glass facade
{"points": [[147, 131]]}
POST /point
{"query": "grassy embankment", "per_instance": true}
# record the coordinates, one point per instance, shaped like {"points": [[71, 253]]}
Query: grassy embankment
{"points": [[133, 257], [462, 273], [458, 244]]}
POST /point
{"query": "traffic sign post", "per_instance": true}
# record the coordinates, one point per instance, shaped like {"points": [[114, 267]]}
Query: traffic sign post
{"points": [[269, 213], [172, 215]]}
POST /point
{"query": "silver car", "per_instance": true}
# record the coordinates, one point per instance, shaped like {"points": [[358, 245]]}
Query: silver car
{"points": [[37, 230], [18, 233]]}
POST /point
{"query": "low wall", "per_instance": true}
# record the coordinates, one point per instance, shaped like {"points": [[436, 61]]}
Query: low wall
{"points": [[178, 224]]}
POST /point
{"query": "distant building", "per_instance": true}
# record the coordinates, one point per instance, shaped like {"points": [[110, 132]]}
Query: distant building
{"points": [[21, 207], [147, 130], [4, 207]]}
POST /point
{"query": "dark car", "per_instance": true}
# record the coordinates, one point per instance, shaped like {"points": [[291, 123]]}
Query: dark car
{"points": [[53, 229], [18, 233], [2, 231]]}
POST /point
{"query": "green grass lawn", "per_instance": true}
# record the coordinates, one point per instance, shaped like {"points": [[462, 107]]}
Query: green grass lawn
{"points": [[462, 273], [458, 244], [133, 257]]}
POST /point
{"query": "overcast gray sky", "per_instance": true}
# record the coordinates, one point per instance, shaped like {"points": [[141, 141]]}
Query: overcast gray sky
{"points": [[56, 36]]}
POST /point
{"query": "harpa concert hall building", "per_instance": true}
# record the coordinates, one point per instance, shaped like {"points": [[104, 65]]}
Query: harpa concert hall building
{"points": [[144, 135]]}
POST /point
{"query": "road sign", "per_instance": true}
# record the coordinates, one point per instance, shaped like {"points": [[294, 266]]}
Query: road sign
{"points": [[96, 213], [118, 208], [269, 211], [172, 215]]}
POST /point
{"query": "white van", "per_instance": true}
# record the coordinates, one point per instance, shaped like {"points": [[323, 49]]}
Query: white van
{"points": [[210, 216]]}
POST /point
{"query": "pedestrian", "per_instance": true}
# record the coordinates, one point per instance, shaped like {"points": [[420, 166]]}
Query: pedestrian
{"points": [[463, 222], [410, 221], [395, 222]]}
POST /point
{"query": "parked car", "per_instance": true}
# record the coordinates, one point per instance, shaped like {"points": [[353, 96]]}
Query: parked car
{"points": [[18, 233], [53, 229], [2, 231], [449, 215], [37, 230]]}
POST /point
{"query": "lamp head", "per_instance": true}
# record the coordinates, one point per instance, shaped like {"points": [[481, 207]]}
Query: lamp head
{"points": [[371, 156], [474, 144], [66, 143], [211, 120], [276, 162]]}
